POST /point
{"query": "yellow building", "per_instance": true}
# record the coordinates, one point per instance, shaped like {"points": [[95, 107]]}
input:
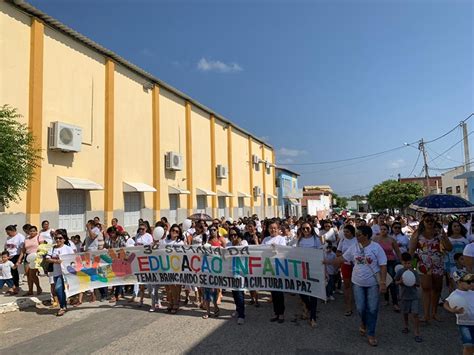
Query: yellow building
{"points": [[116, 141]]}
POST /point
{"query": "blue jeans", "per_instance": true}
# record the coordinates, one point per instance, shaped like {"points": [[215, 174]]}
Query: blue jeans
{"points": [[331, 286], [59, 288], [367, 304], [239, 303]]}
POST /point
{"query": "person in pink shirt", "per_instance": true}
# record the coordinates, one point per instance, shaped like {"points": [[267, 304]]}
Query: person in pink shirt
{"points": [[30, 247]]}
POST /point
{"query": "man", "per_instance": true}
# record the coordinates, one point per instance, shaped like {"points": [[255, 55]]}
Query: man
{"points": [[115, 224]]}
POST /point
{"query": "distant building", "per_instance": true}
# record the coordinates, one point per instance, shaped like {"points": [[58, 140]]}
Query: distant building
{"points": [[434, 182], [317, 200], [289, 195], [453, 186]]}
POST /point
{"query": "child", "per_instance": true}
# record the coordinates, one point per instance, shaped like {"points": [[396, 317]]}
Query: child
{"points": [[464, 315], [210, 294], [458, 266], [409, 299], [331, 272], [6, 277]]}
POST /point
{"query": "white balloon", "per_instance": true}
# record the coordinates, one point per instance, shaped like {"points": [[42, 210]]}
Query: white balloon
{"points": [[398, 267], [408, 278], [187, 223], [455, 300], [158, 233], [230, 219], [31, 260]]}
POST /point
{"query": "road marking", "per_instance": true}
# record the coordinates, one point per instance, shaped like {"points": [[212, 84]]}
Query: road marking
{"points": [[11, 330]]}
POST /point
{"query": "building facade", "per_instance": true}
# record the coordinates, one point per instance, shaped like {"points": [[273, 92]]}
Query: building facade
{"points": [[434, 183], [317, 201], [289, 195], [453, 185], [142, 148]]}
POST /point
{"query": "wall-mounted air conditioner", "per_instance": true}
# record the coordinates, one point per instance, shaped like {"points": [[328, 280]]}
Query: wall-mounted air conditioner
{"points": [[174, 161], [255, 159], [221, 172], [257, 191], [65, 137]]}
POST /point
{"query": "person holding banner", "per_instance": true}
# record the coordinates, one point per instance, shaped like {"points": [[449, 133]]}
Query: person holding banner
{"points": [[253, 238], [173, 292], [368, 279], [278, 297], [235, 237], [307, 238], [61, 248]]}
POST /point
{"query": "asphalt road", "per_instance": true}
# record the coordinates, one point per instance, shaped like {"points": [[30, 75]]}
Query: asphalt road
{"points": [[102, 328]]}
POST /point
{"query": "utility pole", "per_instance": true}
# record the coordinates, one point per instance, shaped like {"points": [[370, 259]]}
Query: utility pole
{"points": [[467, 160], [421, 146]]}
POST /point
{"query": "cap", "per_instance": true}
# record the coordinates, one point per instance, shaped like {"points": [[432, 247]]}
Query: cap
{"points": [[462, 275]]}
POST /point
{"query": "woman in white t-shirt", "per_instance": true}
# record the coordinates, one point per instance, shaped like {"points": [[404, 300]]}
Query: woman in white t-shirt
{"points": [[307, 238], [175, 237], [370, 266], [45, 232], [457, 237], [13, 245], [328, 233], [54, 257], [278, 297], [348, 241]]}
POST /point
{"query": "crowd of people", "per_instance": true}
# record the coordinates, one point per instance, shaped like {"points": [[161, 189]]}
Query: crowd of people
{"points": [[406, 260]]}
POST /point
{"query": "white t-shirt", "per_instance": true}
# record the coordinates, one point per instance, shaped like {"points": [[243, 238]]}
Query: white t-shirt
{"points": [[243, 243], [469, 250], [346, 243], [130, 243], [6, 270], [366, 262], [46, 235], [311, 242], [55, 254], [93, 244], [278, 240], [14, 244], [375, 230], [403, 242], [467, 318], [145, 239], [329, 236], [174, 242]]}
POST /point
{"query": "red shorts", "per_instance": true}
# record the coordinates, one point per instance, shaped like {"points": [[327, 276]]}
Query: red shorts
{"points": [[346, 271]]}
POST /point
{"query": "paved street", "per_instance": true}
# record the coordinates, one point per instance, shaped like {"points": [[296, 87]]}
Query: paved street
{"points": [[103, 329]]}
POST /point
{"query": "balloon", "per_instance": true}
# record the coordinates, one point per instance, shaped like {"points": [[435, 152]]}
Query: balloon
{"points": [[31, 260], [398, 267], [408, 278], [187, 223], [230, 219], [455, 300], [158, 233]]}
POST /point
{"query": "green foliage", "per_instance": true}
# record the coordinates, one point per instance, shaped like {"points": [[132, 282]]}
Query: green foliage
{"points": [[358, 198], [394, 194], [18, 155], [340, 201]]}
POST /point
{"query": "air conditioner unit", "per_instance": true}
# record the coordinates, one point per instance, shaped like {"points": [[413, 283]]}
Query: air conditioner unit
{"points": [[65, 137], [255, 159], [267, 165], [174, 161], [257, 191], [221, 172]]}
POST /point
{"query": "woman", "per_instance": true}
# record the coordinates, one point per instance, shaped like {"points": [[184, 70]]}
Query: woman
{"points": [[347, 241], [402, 240], [368, 279], [45, 232], [328, 233], [428, 244], [215, 239], [30, 247], [115, 240], [175, 237], [278, 297], [392, 252], [286, 232], [61, 248], [143, 237], [13, 245], [237, 240], [252, 237], [307, 238], [457, 236], [199, 237]]}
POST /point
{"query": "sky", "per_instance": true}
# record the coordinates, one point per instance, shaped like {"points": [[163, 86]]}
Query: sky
{"points": [[320, 81]]}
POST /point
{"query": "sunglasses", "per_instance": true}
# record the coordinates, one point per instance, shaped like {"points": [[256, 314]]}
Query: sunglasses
{"points": [[306, 228], [175, 230]]}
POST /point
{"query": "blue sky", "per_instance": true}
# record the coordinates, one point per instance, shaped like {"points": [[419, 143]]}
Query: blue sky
{"points": [[319, 80]]}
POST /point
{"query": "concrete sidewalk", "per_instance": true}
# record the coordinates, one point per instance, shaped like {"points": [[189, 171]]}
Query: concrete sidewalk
{"points": [[12, 303]]}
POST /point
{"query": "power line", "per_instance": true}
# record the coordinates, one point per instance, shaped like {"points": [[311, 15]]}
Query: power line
{"points": [[444, 157], [447, 150], [451, 130], [416, 163]]}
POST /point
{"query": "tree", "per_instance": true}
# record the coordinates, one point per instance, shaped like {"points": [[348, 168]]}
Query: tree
{"points": [[340, 201], [358, 198], [19, 155], [393, 194]]}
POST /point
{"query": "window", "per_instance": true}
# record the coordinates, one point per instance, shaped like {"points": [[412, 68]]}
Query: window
{"points": [[174, 205], [277, 182], [241, 203], [449, 190], [221, 205], [132, 207], [201, 203], [458, 189], [269, 170], [72, 209], [269, 202]]}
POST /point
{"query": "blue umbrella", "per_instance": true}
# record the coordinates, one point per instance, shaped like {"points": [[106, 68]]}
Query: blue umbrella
{"points": [[442, 204]]}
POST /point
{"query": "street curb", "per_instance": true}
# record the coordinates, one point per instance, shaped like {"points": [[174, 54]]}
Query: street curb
{"points": [[22, 303]]}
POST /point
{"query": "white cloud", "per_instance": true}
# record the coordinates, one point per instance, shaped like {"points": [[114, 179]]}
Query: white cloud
{"points": [[147, 52], [206, 65], [293, 153], [396, 164], [284, 161]]}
